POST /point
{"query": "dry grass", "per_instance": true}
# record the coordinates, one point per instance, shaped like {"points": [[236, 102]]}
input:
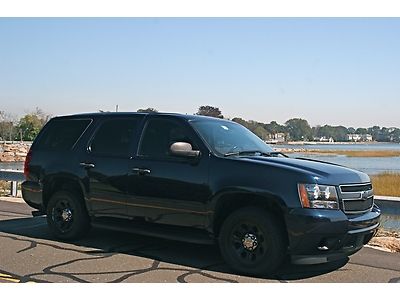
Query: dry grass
{"points": [[386, 240], [389, 244], [357, 153], [387, 184], [4, 188], [386, 233]]}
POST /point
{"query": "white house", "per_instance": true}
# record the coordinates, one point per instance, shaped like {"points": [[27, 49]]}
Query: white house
{"points": [[359, 137]]}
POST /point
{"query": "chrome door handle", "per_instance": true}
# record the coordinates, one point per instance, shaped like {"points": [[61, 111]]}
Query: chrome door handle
{"points": [[141, 171], [86, 165]]}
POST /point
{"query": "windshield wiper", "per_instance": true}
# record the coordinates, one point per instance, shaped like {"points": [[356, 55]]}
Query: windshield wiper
{"points": [[268, 154], [276, 153]]}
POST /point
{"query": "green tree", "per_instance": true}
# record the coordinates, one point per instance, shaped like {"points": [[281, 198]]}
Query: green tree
{"points": [[298, 129], [361, 131], [395, 135], [210, 111], [29, 125], [261, 132], [375, 131], [147, 110], [241, 122], [340, 133], [351, 130], [274, 127]]}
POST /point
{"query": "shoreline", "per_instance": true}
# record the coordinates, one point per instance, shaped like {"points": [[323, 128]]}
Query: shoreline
{"points": [[296, 143], [348, 153]]}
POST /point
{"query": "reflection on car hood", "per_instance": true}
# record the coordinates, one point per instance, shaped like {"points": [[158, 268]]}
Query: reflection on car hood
{"points": [[335, 174]]}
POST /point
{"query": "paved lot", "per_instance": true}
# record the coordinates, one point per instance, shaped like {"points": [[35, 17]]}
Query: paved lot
{"points": [[29, 254]]}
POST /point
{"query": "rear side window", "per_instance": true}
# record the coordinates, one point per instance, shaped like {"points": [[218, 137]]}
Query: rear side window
{"points": [[114, 137], [62, 134]]}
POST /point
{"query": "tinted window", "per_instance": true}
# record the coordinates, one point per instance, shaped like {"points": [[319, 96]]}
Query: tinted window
{"points": [[114, 137], [62, 134], [160, 134]]}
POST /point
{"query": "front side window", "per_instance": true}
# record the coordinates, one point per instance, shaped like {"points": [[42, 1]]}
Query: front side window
{"points": [[160, 134], [226, 137], [114, 138]]}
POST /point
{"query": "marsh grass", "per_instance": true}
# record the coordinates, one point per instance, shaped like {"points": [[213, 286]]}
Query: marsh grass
{"points": [[356, 153], [386, 184]]}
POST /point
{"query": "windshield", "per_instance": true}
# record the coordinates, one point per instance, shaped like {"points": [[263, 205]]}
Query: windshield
{"points": [[228, 137]]}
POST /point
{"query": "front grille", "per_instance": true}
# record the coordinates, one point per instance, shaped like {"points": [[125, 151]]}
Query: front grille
{"points": [[356, 198], [355, 188]]}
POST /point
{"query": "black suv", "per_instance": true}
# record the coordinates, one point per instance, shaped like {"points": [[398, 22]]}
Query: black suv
{"points": [[197, 179]]}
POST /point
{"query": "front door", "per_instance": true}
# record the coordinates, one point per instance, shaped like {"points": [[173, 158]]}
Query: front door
{"points": [[167, 189]]}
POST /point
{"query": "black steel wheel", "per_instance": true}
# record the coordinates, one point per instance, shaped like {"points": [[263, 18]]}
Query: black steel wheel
{"points": [[252, 241], [67, 216]]}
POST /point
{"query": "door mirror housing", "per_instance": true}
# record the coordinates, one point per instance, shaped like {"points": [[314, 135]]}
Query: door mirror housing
{"points": [[183, 149]]}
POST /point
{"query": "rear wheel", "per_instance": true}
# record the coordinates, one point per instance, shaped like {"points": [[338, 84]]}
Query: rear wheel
{"points": [[252, 241], [67, 216]]}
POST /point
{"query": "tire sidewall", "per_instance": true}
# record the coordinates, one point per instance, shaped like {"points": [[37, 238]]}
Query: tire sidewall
{"points": [[272, 232], [80, 219]]}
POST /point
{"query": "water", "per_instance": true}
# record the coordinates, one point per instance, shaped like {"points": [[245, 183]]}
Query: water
{"points": [[390, 222], [12, 165], [369, 165], [366, 147]]}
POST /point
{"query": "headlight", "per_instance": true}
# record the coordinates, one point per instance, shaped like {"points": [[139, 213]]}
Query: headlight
{"points": [[318, 196]]}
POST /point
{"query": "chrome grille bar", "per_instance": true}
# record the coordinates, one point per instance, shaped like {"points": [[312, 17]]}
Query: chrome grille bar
{"points": [[356, 198]]}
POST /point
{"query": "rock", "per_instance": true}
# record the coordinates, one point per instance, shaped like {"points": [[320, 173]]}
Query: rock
{"points": [[20, 154], [13, 152], [7, 159]]}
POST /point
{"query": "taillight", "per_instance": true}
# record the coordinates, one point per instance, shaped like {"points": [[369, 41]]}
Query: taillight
{"points": [[28, 159]]}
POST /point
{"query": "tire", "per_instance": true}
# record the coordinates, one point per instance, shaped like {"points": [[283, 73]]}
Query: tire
{"points": [[67, 216], [253, 242]]}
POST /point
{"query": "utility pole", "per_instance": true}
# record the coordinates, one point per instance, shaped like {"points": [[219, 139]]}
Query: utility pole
{"points": [[116, 108]]}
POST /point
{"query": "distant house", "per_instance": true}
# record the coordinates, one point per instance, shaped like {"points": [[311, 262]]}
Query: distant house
{"points": [[275, 138], [324, 139], [367, 137], [354, 137], [359, 137]]}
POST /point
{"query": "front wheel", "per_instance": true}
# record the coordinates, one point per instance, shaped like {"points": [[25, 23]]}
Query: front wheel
{"points": [[67, 216], [252, 241]]}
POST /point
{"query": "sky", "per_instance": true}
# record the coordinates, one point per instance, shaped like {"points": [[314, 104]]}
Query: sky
{"points": [[333, 71]]}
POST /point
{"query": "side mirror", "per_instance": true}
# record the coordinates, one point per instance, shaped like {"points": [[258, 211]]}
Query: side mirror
{"points": [[183, 149]]}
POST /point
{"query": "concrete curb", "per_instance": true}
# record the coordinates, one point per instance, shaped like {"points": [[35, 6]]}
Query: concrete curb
{"points": [[12, 199], [386, 198]]}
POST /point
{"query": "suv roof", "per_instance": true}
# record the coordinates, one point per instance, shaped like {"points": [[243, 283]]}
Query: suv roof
{"points": [[127, 114]]}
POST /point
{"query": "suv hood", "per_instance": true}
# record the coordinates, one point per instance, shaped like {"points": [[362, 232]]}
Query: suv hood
{"points": [[323, 172]]}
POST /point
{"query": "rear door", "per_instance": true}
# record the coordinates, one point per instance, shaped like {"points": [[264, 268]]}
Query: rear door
{"points": [[107, 162]]}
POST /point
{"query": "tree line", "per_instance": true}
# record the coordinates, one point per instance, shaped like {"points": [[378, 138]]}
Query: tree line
{"points": [[25, 128], [296, 129]]}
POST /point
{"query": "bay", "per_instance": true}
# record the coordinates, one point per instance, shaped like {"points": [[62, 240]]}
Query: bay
{"points": [[369, 165]]}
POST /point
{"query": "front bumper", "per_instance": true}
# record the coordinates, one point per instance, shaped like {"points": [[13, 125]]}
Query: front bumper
{"points": [[319, 236]]}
